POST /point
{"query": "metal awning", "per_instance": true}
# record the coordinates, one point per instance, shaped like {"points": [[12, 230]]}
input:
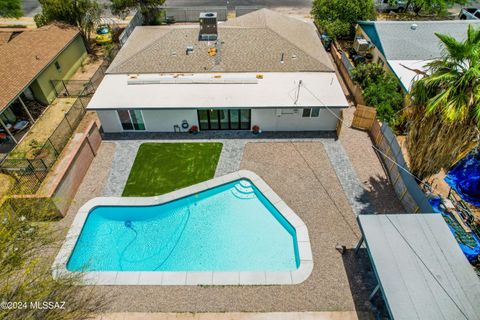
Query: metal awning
{"points": [[421, 271]]}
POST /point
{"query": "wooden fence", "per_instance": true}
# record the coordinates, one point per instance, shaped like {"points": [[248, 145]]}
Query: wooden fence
{"points": [[354, 89], [409, 193], [364, 117]]}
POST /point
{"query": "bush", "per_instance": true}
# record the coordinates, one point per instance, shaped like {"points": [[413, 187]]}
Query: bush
{"points": [[380, 90], [338, 17], [26, 249], [366, 74], [385, 95]]}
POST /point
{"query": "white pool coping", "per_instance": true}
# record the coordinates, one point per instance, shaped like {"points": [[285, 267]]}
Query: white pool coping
{"points": [[190, 277]]}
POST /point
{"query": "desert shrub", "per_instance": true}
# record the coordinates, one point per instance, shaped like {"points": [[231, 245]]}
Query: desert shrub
{"points": [[26, 252]]}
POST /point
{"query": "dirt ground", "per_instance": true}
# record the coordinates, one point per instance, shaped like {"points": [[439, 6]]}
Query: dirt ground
{"points": [[88, 68], [43, 128]]}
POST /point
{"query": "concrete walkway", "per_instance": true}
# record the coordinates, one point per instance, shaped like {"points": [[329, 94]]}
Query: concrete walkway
{"points": [[347, 315], [231, 157]]}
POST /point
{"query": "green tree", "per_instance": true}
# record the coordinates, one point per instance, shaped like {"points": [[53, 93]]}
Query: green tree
{"points": [[11, 9], [438, 7], [147, 8], [444, 118], [338, 17], [83, 14]]}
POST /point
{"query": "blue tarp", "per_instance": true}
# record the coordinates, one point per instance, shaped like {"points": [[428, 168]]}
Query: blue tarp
{"points": [[464, 178], [471, 253]]}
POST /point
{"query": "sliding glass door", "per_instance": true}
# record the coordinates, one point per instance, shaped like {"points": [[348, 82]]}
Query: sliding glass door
{"points": [[224, 119], [131, 119]]}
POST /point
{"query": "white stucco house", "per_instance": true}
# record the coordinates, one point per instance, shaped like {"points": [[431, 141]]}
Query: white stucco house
{"points": [[262, 69]]}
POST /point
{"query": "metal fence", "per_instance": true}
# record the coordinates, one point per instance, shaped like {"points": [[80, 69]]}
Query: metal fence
{"points": [[347, 63], [408, 191], [30, 173], [78, 88], [137, 20], [242, 10], [191, 14]]}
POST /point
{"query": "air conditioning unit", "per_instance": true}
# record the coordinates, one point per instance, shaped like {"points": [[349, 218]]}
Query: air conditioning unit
{"points": [[208, 26], [361, 45]]}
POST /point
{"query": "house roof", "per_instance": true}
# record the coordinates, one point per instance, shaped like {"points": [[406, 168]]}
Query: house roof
{"points": [[420, 268], [26, 55], [397, 40], [254, 42], [219, 90]]}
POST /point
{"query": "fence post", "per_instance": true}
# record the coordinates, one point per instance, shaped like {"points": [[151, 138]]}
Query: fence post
{"points": [[66, 90], [34, 170], [53, 147], [68, 122]]}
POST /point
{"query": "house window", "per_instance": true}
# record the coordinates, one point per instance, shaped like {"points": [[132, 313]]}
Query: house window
{"points": [[131, 119], [311, 112], [57, 65]]}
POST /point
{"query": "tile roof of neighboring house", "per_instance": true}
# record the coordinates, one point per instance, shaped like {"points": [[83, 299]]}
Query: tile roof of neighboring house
{"points": [[26, 55], [254, 42], [397, 40]]}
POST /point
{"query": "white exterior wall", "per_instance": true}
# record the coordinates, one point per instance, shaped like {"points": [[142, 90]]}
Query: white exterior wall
{"points": [[155, 120], [292, 120], [164, 120], [109, 120], [267, 119]]}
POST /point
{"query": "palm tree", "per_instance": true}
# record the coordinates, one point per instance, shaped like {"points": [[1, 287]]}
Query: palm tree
{"points": [[444, 117]]}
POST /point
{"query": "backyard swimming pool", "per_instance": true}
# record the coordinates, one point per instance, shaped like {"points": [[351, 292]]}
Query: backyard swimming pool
{"points": [[232, 227], [229, 230]]}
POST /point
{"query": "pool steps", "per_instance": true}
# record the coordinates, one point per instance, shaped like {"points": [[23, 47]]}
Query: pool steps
{"points": [[243, 190], [297, 276]]}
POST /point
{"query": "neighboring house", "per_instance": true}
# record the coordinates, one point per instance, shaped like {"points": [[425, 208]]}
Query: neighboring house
{"points": [[29, 61], [263, 69], [405, 46]]}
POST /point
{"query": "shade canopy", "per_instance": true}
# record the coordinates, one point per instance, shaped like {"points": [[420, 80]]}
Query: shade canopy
{"points": [[421, 271]]}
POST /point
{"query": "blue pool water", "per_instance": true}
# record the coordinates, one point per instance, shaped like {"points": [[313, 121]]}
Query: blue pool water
{"points": [[232, 227]]}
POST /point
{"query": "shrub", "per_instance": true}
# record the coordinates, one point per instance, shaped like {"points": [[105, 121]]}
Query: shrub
{"points": [[380, 90], [385, 95], [366, 74]]}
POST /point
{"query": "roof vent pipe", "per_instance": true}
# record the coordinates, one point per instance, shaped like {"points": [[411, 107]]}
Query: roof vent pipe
{"points": [[414, 26]]}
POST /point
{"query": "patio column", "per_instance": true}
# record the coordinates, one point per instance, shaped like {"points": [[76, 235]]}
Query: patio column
{"points": [[8, 131], [26, 109]]}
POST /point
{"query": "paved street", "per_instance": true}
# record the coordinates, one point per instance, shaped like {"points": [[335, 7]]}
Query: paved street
{"points": [[32, 7]]}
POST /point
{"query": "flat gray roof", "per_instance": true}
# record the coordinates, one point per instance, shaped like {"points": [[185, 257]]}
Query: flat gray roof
{"points": [[421, 270]]}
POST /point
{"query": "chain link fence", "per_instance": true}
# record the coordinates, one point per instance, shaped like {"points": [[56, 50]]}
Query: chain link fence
{"points": [[30, 173]]}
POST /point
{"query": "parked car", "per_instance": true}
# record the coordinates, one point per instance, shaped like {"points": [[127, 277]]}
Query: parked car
{"points": [[390, 5], [104, 35], [469, 14]]}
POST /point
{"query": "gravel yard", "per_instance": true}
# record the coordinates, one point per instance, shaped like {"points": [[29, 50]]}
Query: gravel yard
{"points": [[302, 175]]}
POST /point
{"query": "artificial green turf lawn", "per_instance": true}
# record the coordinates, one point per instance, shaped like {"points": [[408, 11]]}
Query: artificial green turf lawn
{"points": [[163, 167]]}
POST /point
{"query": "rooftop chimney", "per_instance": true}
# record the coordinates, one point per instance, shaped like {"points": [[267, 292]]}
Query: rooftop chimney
{"points": [[208, 26]]}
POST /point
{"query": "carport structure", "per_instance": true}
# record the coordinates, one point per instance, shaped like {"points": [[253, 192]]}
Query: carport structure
{"points": [[420, 269]]}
